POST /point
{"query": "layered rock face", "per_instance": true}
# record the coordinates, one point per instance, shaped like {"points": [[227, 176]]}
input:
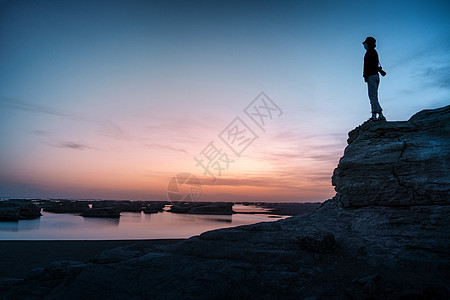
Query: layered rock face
{"points": [[397, 163]]}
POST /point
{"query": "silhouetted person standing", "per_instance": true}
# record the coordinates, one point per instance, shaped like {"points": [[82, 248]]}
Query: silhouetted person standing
{"points": [[371, 68]]}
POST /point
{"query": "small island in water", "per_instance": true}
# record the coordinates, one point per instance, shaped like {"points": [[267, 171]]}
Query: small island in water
{"points": [[23, 209], [384, 235]]}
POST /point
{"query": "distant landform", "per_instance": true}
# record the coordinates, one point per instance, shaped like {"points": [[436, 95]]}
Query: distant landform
{"points": [[23, 209]]}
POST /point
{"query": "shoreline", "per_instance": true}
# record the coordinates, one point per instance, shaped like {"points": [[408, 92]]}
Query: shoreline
{"points": [[18, 257]]}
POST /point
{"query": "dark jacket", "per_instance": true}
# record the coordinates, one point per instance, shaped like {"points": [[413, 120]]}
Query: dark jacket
{"points": [[371, 63]]}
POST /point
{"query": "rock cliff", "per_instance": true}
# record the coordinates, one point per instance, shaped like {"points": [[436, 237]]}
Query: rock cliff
{"points": [[384, 236], [397, 163]]}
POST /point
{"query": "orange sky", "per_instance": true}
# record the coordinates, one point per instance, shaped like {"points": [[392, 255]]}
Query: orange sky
{"points": [[111, 101], [105, 160]]}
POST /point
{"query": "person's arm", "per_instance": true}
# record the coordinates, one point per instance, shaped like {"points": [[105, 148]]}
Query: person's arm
{"points": [[365, 68], [380, 68]]}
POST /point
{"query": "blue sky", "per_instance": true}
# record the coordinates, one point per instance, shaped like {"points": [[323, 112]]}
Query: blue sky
{"points": [[109, 99]]}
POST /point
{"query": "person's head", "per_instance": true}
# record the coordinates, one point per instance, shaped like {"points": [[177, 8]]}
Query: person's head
{"points": [[369, 43]]}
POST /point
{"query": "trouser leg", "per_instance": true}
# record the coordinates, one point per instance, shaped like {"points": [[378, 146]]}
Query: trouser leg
{"points": [[372, 85]]}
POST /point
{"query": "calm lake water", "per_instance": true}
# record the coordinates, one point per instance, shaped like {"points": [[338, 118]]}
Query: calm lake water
{"points": [[51, 226]]}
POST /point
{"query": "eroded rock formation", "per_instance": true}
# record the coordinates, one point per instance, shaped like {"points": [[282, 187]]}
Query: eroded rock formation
{"points": [[18, 209], [397, 163]]}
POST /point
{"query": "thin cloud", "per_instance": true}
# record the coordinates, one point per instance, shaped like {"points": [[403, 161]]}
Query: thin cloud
{"points": [[71, 145], [294, 187], [259, 182], [40, 133], [305, 137], [107, 128], [166, 147], [113, 130], [178, 129], [439, 46], [327, 156], [437, 76], [24, 106], [431, 65], [297, 152], [288, 181]]}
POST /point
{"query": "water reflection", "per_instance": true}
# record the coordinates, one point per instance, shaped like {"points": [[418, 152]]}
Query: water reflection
{"points": [[146, 218], [21, 225], [131, 217], [9, 226], [101, 222], [225, 220], [213, 218], [53, 226], [241, 208]]}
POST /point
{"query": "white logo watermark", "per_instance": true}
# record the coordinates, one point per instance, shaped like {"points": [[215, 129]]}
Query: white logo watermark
{"points": [[237, 137]]}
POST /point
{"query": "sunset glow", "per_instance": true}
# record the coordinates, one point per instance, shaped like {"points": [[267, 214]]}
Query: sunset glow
{"points": [[111, 103]]}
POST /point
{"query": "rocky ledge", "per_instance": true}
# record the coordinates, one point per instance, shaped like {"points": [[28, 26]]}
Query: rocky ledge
{"points": [[397, 163], [355, 246]]}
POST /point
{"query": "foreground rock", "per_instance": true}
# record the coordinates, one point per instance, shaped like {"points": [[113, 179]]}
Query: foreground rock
{"points": [[366, 253], [349, 248], [291, 209]]}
